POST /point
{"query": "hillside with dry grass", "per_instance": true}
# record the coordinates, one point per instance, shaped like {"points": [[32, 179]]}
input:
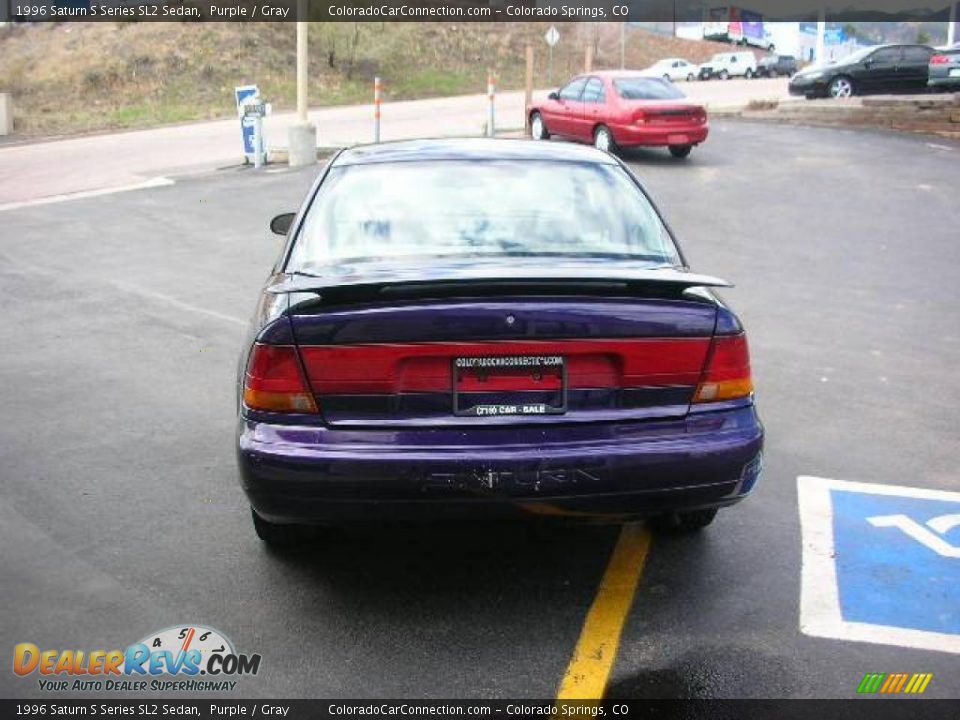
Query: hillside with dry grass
{"points": [[75, 77]]}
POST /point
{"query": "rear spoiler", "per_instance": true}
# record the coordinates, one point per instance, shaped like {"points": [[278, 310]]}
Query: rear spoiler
{"points": [[668, 279]]}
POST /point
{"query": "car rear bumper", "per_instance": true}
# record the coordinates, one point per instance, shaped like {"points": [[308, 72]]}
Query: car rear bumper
{"points": [[658, 135], [315, 474], [943, 81]]}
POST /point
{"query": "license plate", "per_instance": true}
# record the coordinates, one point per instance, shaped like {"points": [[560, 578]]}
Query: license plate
{"points": [[677, 139], [954, 72], [496, 386]]}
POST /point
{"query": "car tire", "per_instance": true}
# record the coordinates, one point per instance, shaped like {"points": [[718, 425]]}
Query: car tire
{"points": [[748, 74], [771, 74], [684, 522], [841, 87], [538, 128], [680, 151], [723, 75], [691, 77], [666, 78], [274, 534], [603, 140]]}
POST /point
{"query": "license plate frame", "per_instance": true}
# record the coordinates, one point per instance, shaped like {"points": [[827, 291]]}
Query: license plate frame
{"points": [[512, 366]]}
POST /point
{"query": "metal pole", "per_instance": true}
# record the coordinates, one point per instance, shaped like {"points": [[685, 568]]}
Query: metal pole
{"points": [[528, 91], [376, 109], [302, 71], [550, 68], [491, 90]]}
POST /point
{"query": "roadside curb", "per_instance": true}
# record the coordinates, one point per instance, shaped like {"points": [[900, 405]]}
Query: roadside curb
{"points": [[937, 115]]}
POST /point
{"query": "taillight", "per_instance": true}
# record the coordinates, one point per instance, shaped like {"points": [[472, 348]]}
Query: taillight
{"points": [[939, 59], [275, 382], [727, 375]]}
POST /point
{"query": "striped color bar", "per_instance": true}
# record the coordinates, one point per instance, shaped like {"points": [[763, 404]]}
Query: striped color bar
{"points": [[894, 683]]}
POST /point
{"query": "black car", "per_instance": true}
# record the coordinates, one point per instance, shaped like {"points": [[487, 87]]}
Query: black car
{"points": [[774, 65], [945, 69], [880, 69]]}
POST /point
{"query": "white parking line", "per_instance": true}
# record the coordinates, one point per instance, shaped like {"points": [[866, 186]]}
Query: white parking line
{"points": [[151, 183]]}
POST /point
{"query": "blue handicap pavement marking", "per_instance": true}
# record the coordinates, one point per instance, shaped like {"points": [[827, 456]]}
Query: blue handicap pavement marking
{"points": [[880, 563]]}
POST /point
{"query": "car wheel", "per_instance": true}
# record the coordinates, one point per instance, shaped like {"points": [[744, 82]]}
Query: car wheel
{"points": [[691, 77], [538, 129], [603, 140], [771, 74], [666, 77], [723, 75], [275, 534], [749, 74], [684, 522], [840, 87], [680, 151]]}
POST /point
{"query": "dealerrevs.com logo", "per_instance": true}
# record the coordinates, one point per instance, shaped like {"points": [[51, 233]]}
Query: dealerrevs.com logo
{"points": [[188, 658]]}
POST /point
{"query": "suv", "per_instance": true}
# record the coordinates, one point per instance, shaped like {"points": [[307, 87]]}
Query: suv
{"points": [[728, 65], [774, 65]]}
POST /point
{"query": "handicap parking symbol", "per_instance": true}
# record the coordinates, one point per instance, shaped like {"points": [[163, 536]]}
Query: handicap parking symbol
{"points": [[881, 563]]}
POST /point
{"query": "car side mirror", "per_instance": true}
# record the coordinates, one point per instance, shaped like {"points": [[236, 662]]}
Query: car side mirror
{"points": [[553, 96], [281, 223]]}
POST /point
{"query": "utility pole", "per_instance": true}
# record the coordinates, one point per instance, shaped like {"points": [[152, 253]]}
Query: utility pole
{"points": [[952, 24], [302, 136], [821, 53]]}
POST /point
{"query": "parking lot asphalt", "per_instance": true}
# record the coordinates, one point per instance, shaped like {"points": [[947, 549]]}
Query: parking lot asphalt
{"points": [[121, 513]]}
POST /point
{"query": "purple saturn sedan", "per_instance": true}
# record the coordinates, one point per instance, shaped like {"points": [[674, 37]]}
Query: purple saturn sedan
{"points": [[473, 328]]}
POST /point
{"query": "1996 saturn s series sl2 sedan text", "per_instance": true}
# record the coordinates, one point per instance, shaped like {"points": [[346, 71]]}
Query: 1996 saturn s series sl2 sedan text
{"points": [[479, 327]]}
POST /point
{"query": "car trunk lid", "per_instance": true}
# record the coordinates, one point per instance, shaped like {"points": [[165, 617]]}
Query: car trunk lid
{"points": [[402, 353]]}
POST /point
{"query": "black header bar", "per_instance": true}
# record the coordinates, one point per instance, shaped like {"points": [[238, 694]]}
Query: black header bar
{"points": [[554, 11]]}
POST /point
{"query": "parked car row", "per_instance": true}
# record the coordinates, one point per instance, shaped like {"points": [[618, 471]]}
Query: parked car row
{"points": [[724, 66], [881, 69]]}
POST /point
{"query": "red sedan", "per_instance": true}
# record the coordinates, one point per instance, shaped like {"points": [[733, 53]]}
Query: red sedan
{"points": [[620, 109]]}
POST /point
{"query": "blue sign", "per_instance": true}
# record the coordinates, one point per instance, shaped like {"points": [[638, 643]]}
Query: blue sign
{"points": [[246, 123], [881, 563]]}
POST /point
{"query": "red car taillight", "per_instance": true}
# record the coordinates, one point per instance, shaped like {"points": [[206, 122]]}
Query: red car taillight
{"points": [[939, 59], [727, 375], [275, 382]]}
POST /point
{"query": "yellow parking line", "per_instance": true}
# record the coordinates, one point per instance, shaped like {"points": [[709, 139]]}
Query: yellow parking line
{"points": [[589, 668]]}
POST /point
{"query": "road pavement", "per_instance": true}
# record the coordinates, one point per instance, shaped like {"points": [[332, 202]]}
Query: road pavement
{"points": [[121, 514], [94, 162]]}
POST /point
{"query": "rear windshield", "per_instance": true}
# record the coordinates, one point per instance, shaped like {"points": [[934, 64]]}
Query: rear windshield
{"points": [[479, 208], [641, 88]]}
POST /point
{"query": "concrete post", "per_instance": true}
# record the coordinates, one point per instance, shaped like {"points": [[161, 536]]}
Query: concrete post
{"points": [[6, 114], [302, 136]]}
